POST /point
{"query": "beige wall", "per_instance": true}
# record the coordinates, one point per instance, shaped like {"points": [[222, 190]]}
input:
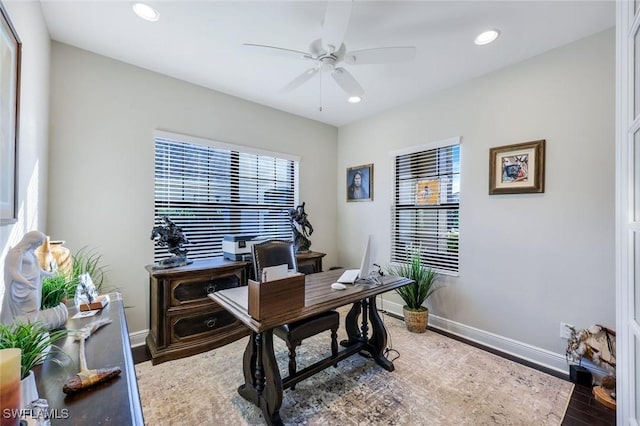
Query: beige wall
{"points": [[530, 261], [34, 122], [103, 114]]}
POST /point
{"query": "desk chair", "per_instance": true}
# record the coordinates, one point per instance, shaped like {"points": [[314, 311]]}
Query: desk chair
{"points": [[278, 252]]}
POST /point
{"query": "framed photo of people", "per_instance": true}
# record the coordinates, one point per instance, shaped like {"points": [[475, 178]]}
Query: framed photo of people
{"points": [[10, 50], [359, 183]]}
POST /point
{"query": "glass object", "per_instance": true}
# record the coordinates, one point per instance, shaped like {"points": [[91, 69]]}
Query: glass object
{"points": [[86, 291], [38, 410]]}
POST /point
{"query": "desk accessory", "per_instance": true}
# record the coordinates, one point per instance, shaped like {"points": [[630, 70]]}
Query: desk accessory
{"points": [[98, 303], [87, 378], [338, 286], [275, 297]]}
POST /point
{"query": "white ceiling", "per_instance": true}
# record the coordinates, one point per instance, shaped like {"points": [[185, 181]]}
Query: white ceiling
{"points": [[201, 42]]}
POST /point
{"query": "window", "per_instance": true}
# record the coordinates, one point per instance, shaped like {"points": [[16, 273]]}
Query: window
{"points": [[213, 189], [427, 197]]}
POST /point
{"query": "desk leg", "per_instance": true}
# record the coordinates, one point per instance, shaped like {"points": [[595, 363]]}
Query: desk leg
{"points": [[370, 317], [351, 325], [262, 382], [378, 340]]}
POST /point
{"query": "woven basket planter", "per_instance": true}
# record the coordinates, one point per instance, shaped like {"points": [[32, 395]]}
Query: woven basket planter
{"points": [[416, 321]]}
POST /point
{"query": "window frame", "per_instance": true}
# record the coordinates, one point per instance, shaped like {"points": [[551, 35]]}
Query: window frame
{"points": [[161, 252], [394, 258]]}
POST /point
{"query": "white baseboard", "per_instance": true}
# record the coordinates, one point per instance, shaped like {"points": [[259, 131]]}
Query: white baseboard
{"points": [[138, 338], [539, 356]]}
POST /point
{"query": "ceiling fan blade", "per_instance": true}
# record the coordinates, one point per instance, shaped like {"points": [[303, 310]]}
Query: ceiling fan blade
{"points": [[334, 25], [278, 51], [347, 82], [380, 55], [299, 80]]}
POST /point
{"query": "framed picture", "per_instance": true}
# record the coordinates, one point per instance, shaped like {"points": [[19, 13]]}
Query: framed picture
{"points": [[360, 183], [428, 191], [10, 51], [516, 169]]}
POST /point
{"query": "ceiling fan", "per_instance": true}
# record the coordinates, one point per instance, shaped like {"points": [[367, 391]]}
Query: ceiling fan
{"points": [[329, 52]]}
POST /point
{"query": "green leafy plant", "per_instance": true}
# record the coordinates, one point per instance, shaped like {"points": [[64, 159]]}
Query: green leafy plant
{"points": [[55, 289], [424, 285], [35, 342]]}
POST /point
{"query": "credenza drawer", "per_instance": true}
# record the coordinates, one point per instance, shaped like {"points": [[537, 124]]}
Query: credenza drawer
{"points": [[198, 325], [194, 289]]}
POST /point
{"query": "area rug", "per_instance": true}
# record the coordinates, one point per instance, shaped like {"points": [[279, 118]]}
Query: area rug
{"points": [[437, 381]]}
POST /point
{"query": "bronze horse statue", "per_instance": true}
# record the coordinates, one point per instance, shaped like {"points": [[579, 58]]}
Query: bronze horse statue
{"points": [[301, 228], [171, 236]]}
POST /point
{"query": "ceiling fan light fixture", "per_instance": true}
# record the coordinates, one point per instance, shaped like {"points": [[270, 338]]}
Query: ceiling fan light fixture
{"points": [[486, 37], [354, 99], [145, 12]]}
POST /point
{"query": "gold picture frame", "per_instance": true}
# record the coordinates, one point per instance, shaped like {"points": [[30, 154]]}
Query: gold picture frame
{"points": [[10, 58], [428, 192], [517, 169], [359, 183]]}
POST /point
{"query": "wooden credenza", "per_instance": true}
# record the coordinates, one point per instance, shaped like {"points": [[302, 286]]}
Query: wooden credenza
{"points": [[183, 320], [310, 262], [116, 402]]}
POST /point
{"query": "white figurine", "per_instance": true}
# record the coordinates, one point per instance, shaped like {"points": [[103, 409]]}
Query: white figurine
{"points": [[23, 285]]}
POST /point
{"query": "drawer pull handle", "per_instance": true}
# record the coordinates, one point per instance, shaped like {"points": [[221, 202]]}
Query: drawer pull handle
{"points": [[211, 288], [211, 322]]}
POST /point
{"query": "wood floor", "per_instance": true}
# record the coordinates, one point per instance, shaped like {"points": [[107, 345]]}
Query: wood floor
{"points": [[584, 410]]}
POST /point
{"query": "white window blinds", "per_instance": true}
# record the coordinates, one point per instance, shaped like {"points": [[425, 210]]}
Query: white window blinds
{"points": [[425, 213], [212, 192]]}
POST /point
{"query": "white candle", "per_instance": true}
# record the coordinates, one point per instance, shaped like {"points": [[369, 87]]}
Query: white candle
{"points": [[10, 386]]}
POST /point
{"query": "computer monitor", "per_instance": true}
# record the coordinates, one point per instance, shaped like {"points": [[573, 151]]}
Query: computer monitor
{"points": [[359, 276], [366, 266]]}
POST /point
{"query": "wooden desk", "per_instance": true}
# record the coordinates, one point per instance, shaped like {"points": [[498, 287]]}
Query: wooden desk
{"points": [[116, 402], [263, 384]]}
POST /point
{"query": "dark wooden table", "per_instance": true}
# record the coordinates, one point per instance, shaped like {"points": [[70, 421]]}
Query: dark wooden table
{"points": [[116, 402], [263, 384]]}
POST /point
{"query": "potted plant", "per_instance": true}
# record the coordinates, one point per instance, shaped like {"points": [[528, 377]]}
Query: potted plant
{"points": [[53, 310], [55, 290], [36, 343], [414, 295]]}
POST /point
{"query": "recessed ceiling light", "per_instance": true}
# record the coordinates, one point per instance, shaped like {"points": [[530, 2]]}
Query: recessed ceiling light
{"points": [[146, 12], [354, 99], [487, 37]]}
